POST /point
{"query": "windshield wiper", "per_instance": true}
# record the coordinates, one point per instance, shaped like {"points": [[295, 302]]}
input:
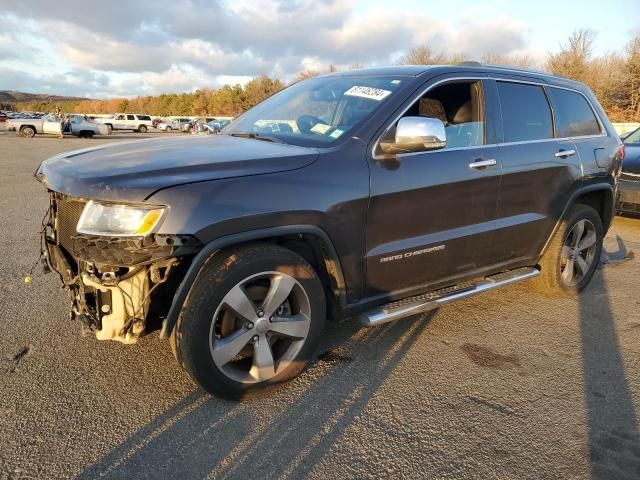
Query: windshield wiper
{"points": [[257, 136]]}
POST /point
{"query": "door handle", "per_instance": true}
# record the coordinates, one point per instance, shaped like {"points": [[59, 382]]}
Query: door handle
{"points": [[479, 164], [565, 153]]}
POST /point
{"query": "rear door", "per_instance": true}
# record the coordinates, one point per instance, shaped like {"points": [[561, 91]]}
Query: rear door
{"points": [[431, 214], [539, 172]]}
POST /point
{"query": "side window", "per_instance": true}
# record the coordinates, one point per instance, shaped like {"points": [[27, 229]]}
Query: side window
{"points": [[460, 107], [130, 117], [525, 112], [120, 117], [573, 114], [144, 117]]}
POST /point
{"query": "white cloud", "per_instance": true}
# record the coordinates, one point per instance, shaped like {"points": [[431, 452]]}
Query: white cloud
{"points": [[131, 49]]}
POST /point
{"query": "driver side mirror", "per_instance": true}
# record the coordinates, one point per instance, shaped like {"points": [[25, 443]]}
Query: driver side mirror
{"points": [[416, 134]]}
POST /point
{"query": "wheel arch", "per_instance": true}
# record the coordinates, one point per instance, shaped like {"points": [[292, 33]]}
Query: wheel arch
{"points": [[309, 241], [598, 196], [22, 127]]}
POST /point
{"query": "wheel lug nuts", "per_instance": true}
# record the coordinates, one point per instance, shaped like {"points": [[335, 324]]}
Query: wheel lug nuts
{"points": [[255, 338], [249, 325], [260, 313]]}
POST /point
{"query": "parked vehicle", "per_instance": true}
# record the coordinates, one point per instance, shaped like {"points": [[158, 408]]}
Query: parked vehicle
{"points": [[168, 126], [78, 125], [630, 176], [128, 121], [378, 193], [215, 126]]}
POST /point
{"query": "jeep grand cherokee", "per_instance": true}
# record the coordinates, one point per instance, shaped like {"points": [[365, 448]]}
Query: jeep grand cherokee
{"points": [[375, 194]]}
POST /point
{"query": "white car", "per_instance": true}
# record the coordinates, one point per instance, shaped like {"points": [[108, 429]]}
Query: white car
{"points": [[168, 126], [128, 121], [78, 125]]}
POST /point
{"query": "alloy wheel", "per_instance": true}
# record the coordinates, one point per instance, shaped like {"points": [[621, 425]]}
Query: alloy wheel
{"points": [[578, 252], [259, 327]]}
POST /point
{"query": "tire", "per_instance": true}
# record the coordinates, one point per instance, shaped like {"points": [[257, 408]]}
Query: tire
{"points": [[168, 129], [142, 129], [260, 358], [572, 247], [28, 132], [110, 127]]}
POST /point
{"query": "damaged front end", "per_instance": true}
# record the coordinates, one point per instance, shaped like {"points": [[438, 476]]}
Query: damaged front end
{"points": [[118, 285]]}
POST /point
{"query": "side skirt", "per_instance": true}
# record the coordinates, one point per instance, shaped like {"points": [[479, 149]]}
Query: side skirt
{"points": [[432, 300]]}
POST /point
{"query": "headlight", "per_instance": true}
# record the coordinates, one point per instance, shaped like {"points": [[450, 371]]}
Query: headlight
{"points": [[119, 220]]}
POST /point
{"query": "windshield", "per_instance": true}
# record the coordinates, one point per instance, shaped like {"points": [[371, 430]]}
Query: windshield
{"points": [[633, 138], [316, 112]]}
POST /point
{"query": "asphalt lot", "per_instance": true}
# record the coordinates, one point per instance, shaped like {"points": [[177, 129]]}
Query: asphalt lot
{"points": [[506, 385]]}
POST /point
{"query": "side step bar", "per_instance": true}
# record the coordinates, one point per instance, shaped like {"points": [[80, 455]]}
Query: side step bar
{"points": [[436, 299]]}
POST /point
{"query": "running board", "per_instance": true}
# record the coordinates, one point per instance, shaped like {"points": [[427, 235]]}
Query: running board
{"points": [[432, 300]]}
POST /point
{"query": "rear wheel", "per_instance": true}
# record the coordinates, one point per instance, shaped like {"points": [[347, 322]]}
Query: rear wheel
{"points": [[573, 254], [168, 129], [142, 129], [252, 321], [27, 131]]}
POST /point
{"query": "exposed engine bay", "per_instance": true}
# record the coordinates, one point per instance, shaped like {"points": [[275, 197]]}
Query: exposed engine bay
{"points": [[111, 281]]}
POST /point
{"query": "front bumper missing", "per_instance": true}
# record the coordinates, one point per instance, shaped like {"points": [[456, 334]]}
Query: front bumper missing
{"points": [[110, 280]]}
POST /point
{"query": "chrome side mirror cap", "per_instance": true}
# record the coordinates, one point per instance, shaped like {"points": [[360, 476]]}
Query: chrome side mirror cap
{"points": [[416, 134]]}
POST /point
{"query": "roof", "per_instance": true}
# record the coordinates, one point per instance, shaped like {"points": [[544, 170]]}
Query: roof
{"points": [[418, 70]]}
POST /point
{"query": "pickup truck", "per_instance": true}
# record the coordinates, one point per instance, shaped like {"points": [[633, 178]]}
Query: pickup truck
{"points": [[371, 194], [128, 121], [79, 125]]}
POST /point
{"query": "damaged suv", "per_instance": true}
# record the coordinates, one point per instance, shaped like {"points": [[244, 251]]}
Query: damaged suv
{"points": [[376, 194]]}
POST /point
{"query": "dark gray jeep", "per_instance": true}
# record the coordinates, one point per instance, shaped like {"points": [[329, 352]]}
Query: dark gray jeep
{"points": [[375, 194]]}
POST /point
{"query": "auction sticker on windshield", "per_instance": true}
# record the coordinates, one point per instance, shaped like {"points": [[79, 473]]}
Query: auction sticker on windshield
{"points": [[368, 92]]}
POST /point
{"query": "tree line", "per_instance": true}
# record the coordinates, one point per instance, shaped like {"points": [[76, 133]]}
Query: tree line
{"points": [[613, 77]]}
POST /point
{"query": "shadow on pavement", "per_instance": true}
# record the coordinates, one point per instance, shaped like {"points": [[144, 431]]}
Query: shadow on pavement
{"points": [[614, 441], [203, 436]]}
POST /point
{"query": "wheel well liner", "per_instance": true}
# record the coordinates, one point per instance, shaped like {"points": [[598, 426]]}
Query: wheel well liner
{"points": [[309, 241]]}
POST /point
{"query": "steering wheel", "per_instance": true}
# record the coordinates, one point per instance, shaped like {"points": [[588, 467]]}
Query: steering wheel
{"points": [[306, 122]]}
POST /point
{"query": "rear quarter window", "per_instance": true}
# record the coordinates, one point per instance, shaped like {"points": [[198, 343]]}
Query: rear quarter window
{"points": [[144, 117], [573, 114], [525, 112]]}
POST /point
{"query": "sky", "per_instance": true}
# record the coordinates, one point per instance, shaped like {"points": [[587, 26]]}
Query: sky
{"points": [[126, 48]]}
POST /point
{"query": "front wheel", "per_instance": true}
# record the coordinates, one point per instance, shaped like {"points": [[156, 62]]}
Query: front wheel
{"points": [[252, 321], [573, 254]]}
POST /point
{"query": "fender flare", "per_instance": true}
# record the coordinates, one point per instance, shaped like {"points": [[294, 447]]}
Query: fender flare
{"points": [[572, 200], [203, 256]]}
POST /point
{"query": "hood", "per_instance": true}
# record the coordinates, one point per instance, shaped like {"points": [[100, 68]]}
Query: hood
{"points": [[631, 162], [134, 170]]}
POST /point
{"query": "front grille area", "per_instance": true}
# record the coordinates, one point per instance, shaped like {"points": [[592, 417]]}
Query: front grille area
{"points": [[68, 211]]}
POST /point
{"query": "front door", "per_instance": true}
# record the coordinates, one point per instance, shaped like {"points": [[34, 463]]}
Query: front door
{"points": [[52, 125], [431, 215]]}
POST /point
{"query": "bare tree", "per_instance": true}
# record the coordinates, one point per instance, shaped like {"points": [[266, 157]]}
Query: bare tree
{"points": [[632, 77], [423, 55], [574, 57], [520, 61]]}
